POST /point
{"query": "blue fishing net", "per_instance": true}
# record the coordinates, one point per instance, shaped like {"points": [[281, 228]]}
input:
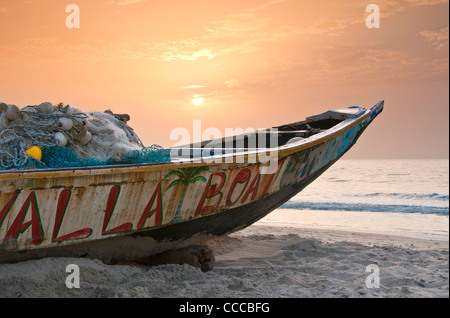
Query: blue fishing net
{"points": [[63, 157]]}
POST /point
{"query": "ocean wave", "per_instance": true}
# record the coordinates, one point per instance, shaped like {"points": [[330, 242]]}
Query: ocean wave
{"points": [[419, 196], [365, 207]]}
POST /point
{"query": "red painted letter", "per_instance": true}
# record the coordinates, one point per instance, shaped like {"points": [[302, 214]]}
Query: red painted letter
{"points": [[252, 189], [211, 192], [110, 206], [18, 227], [5, 210], [242, 177], [63, 201], [158, 210]]}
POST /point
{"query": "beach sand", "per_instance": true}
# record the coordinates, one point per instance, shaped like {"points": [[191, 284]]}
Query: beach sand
{"points": [[272, 258]]}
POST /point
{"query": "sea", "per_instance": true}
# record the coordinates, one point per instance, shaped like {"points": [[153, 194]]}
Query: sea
{"points": [[399, 197]]}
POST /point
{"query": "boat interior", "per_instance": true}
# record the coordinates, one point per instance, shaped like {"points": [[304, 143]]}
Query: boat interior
{"points": [[257, 140]]}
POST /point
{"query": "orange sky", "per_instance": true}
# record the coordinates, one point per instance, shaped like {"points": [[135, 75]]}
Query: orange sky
{"points": [[255, 63]]}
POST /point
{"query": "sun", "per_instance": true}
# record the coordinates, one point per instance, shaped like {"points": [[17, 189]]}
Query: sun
{"points": [[198, 100]]}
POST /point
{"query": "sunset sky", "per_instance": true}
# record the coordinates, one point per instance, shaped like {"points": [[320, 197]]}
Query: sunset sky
{"points": [[237, 63]]}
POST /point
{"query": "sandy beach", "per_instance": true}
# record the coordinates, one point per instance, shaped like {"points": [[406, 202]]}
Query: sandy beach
{"points": [[262, 261], [133, 129]]}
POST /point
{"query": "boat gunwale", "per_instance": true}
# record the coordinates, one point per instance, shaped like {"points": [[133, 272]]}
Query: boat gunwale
{"points": [[281, 151]]}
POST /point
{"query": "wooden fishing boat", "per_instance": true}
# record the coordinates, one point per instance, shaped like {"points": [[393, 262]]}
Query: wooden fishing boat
{"points": [[211, 189]]}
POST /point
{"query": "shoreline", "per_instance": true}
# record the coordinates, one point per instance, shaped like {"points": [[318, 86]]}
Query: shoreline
{"points": [[411, 225], [329, 236]]}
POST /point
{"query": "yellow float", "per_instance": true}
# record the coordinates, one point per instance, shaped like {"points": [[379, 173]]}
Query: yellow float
{"points": [[35, 152]]}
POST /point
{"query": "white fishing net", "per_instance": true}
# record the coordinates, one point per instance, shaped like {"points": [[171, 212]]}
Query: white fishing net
{"points": [[90, 134]]}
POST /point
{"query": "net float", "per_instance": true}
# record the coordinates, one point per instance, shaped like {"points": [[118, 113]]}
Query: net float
{"points": [[86, 139], [78, 131], [61, 139], [3, 107], [67, 110], [13, 113], [45, 108], [65, 123], [35, 152]]}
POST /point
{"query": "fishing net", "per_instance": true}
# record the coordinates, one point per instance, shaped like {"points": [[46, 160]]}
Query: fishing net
{"points": [[70, 138]]}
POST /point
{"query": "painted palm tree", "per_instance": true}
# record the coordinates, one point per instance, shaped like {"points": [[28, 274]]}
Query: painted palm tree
{"points": [[185, 177]]}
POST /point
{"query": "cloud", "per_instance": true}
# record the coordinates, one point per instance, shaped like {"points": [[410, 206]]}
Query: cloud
{"points": [[390, 7], [267, 5], [247, 31], [438, 39], [3, 10], [128, 2], [387, 9], [232, 83], [194, 86], [178, 52], [233, 33], [123, 3], [343, 64], [241, 32], [75, 50], [425, 2], [332, 27]]}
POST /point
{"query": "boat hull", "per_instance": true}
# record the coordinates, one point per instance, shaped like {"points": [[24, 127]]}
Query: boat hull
{"points": [[115, 214], [153, 241]]}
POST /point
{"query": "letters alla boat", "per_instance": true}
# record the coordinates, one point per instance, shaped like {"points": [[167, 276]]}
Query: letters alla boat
{"points": [[209, 189]]}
